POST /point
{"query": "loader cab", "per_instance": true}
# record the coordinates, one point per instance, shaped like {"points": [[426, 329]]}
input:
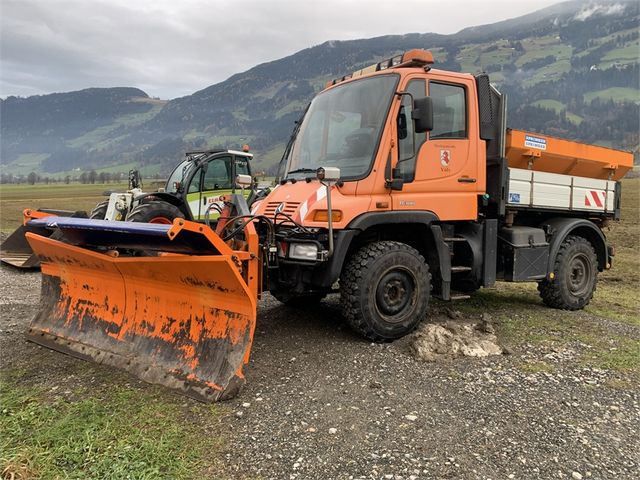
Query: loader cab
{"points": [[203, 178]]}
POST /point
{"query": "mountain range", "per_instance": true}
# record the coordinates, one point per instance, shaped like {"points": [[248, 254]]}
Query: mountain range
{"points": [[570, 70]]}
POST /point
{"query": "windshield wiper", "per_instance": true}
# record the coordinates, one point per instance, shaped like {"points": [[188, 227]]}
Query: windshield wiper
{"points": [[302, 170]]}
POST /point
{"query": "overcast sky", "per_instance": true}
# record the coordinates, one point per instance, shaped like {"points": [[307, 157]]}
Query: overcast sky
{"points": [[171, 48]]}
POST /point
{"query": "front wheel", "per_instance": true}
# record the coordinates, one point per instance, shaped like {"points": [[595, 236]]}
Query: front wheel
{"points": [[154, 212], [100, 210], [384, 290], [575, 275]]}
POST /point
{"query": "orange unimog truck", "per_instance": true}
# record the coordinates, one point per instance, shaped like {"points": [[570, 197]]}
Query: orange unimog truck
{"points": [[435, 196], [400, 182]]}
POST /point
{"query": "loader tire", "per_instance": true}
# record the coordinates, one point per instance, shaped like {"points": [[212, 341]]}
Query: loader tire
{"points": [[384, 290], [100, 210], [299, 301], [154, 212], [575, 276]]}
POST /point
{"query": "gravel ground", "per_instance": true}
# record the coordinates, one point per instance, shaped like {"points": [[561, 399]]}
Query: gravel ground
{"points": [[320, 403]]}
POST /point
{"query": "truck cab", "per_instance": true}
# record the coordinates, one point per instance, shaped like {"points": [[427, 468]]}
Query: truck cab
{"points": [[204, 177], [425, 161]]}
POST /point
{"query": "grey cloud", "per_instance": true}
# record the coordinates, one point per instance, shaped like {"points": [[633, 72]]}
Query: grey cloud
{"points": [[173, 48]]}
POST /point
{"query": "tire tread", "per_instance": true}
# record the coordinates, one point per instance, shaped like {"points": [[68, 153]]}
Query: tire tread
{"points": [[141, 211], [551, 290], [350, 283]]}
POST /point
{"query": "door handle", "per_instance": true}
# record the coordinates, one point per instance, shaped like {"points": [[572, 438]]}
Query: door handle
{"points": [[204, 200], [466, 180]]}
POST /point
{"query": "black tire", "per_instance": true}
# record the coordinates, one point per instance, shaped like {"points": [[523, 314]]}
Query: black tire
{"points": [[384, 290], [100, 210], [299, 301], [575, 276], [154, 212]]}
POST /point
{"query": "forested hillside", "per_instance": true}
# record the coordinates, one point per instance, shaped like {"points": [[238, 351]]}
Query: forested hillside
{"points": [[569, 70]]}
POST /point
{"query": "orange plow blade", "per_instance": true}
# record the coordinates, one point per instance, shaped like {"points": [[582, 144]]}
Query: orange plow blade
{"points": [[183, 321]]}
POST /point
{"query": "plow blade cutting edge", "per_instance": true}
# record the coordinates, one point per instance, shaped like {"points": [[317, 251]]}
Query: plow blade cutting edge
{"points": [[183, 321]]}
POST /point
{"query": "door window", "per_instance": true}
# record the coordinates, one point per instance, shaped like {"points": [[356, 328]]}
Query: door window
{"points": [[218, 174], [242, 166], [194, 186], [408, 141], [449, 111]]}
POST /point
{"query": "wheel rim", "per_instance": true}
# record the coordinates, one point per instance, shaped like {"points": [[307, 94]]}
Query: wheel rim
{"points": [[579, 275], [395, 293], [162, 220]]}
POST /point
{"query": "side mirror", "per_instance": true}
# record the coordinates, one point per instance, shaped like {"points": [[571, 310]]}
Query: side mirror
{"points": [[328, 174], [243, 181], [422, 114]]}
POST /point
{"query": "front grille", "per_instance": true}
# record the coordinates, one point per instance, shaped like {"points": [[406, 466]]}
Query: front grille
{"points": [[289, 208]]}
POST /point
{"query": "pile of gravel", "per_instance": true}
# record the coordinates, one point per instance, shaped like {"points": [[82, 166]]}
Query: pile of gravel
{"points": [[452, 339]]}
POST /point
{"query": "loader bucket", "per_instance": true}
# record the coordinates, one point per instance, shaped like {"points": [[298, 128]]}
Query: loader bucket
{"points": [[15, 250], [179, 320]]}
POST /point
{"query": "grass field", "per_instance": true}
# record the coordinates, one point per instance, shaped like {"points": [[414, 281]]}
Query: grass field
{"points": [[27, 162], [15, 198], [109, 433], [623, 55], [101, 135], [617, 94], [550, 104]]}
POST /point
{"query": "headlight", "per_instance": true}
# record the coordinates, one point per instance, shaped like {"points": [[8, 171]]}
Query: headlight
{"points": [[303, 251]]}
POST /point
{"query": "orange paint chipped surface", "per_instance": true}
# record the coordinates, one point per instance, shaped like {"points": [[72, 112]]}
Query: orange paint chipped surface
{"points": [[194, 315]]}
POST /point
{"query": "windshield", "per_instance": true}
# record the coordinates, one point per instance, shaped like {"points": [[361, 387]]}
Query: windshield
{"points": [[342, 127], [179, 175]]}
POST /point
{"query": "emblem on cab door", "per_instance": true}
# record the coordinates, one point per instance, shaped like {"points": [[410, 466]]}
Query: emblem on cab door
{"points": [[445, 158]]}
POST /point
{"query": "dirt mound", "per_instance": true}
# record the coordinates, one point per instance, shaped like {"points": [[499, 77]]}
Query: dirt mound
{"points": [[451, 339]]}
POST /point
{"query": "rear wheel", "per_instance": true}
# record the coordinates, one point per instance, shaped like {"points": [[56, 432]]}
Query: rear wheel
{"points": [[575, 275], [100, 210], [384, 290], [154, 212]]}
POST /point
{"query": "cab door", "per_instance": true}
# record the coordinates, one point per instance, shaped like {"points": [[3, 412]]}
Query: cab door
{"points": [[208, 184], [442, 174], [218, 180]]}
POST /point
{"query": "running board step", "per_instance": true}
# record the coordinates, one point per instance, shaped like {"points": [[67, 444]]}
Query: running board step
{"points": [[459, 297], [460, 269]]}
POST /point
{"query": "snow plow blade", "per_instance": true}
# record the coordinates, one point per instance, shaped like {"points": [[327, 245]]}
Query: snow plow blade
{"points": [[15, 250], [183, 321]]}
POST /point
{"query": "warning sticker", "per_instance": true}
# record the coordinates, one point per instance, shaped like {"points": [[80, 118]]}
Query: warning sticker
{"points": [[514, 198], [535, 142]]}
